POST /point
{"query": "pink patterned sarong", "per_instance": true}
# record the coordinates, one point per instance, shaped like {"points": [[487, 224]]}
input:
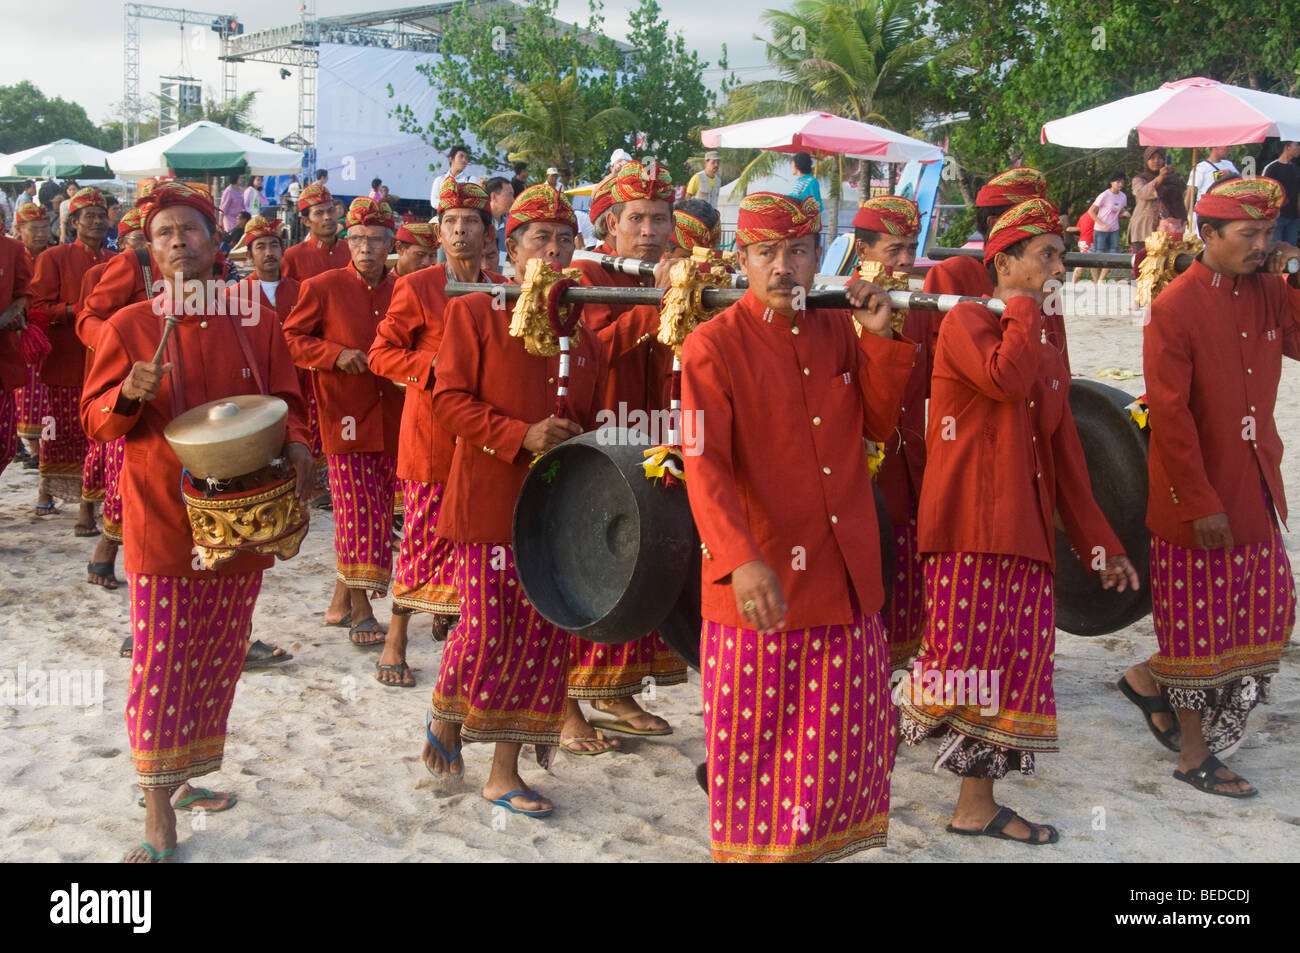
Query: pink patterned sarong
{"points": [[424, 576], [190, 639], [33, 405], [597, 670], [114, 457], [361, 487], [1220, 615], [985, 666], [8, 429], [904, 617], [799, 729], [92, 473], [63, 444], [503, 666]]}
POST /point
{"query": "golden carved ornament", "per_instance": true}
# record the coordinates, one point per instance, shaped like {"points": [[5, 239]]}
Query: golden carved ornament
{"points": [[529, 319], [267, 520], [1158, 268], [683, 308], [877, 274]]}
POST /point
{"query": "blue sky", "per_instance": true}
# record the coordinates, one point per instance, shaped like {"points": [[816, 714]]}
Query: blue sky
{"points": [[74, 48]]}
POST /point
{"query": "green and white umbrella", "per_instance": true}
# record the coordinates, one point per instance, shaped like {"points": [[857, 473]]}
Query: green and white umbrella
{"points": [[205, 147], [61, 159]]}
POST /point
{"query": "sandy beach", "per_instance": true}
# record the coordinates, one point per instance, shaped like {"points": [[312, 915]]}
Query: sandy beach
{"points": [[326, 765]]}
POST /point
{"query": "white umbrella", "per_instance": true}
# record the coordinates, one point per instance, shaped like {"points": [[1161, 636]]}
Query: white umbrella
{"points": [[205, 147], [63, 158], [1188, 113], [824, 133]]}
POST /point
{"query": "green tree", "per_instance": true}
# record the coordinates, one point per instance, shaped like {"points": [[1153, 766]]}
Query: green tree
{"points": [[28, 118], [553, 127], [235, 114], [492, 54], [862, 59], [1020, 63]]}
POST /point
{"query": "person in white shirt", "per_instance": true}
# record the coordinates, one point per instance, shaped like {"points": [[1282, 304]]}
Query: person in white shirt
{"points": [[458, 156], [1208, 171], [1105, 211], [254, 199], [585, 230]]}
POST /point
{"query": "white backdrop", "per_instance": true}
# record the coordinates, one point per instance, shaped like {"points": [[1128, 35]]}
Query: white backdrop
{"points": [[355, 138]]}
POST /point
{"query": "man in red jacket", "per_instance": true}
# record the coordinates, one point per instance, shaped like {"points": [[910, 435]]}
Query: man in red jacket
{"points": [[417, 248], [191, 625], [406, 350], [56, 290], [502, 676], [794, 664], [15, 288], [638, 224], [1222, 592], [32, 227], [885, 229], [329, 332], [321, 250], [107, 457], [1002, 457], [962, 275]]}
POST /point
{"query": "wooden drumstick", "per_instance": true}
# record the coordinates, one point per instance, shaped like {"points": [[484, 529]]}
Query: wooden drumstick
{"points": [[172, 321]]}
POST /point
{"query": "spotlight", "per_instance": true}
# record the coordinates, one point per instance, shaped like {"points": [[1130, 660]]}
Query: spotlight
{"points": [[284, 73]]}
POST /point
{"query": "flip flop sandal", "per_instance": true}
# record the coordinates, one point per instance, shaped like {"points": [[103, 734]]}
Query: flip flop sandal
{"points": [[85, 532], [45, 509], [622, 726], [105, 570], [366, 625], [261, 655], [401, 669], [1204, 779], [447, 756], [996, 828], [200, 794], [505, 799], [343, 623], [566, 743], [1153, 705], [156, 856]]}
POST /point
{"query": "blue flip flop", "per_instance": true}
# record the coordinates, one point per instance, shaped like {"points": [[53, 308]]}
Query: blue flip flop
{"points": [[504, 801], [448, 756]]}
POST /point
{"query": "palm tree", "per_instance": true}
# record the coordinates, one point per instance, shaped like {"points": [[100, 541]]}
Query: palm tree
{"points": [[235, 114], [862, 59], [552, 128]]}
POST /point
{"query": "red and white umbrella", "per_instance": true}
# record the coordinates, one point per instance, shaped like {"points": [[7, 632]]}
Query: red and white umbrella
{"points": [[1188, 113], [823, 133]]}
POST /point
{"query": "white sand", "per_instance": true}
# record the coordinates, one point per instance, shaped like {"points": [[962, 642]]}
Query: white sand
{"points": [[326, 761]]}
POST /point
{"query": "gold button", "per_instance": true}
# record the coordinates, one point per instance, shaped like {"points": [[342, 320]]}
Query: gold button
{"points": [[817, 421], [1252, 408], [550, 380], [1040, 474], [835, 519], [1249, 371], [1035, 439], [826, 470], [794, 330], [1031, 403], [1243, 333], [806, 372], [203, 324]]}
